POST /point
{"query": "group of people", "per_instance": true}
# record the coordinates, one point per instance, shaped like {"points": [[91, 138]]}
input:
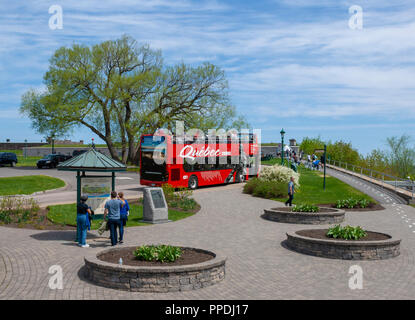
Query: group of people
{"points": [[116, 215], [293, 157], [313, 162]]}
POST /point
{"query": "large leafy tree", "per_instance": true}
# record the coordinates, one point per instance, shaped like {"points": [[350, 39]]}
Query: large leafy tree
{"points": [[120, 89], [401, 156]]}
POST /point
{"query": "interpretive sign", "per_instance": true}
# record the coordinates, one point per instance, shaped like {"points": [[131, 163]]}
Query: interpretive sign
{"points": [[154, 206], [98, 191]]}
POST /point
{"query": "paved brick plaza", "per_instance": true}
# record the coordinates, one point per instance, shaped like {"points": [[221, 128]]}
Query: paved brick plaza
{"points": [[258, 266]]}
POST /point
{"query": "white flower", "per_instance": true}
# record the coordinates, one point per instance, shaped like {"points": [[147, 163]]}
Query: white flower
{"points": [[279, 173]]}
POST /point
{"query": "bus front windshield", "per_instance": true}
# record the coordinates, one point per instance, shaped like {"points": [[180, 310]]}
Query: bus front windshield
{"points": [[153, 153]]}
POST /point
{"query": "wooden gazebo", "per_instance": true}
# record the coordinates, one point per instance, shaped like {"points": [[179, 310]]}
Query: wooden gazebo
{"points": [[92, 161]]}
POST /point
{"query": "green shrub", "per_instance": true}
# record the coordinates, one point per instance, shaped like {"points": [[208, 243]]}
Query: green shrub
{"points": [[269, 189], [305, 208], [346, 233], [182, 198], [352, 203], [364, 203], [161, 253], [250, 185], [17, 209]]}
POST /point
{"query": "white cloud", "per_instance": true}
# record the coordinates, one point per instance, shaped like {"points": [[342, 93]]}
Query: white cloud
{"points": [[310, 65]]}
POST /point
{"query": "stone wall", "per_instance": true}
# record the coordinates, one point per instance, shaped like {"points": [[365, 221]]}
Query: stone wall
{"points": [[19, 145], [155, 279], [342, 249], [283, 215], [41, 152], [274, 150]]}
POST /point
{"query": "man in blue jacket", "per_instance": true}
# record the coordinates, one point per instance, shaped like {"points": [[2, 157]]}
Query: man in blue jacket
{"points": [[112, 215]]}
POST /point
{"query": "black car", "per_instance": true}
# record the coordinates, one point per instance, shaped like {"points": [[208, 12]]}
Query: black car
{"points": [[76, 153], [8, 158], [52, 160]]}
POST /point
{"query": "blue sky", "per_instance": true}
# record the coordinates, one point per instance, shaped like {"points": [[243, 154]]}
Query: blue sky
{"points": [[294, 64]]}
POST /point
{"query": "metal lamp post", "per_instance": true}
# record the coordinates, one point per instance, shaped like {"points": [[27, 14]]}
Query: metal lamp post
{"points": [[325, 160], [25, 148], [282, 132]]}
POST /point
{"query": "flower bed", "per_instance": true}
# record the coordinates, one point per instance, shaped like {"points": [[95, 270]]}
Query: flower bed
{"points": [[323, 216], [204, 268], [374, 246]]}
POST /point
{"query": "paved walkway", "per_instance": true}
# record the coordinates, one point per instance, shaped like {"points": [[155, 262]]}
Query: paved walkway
{"points": [[258, 266], [385, 186], [383, 196]]}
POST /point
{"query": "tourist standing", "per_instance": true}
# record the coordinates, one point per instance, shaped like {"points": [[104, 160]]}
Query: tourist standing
{"points": [[290, 192], [112, 214], [82, 221], [124, 213]]}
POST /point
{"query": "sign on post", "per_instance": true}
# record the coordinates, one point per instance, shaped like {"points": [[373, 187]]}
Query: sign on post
{"points": [[98, 191], [155, 208]]}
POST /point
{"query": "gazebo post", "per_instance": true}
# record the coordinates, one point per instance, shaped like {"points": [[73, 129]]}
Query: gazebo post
{"points": [[113, 181], [78, 186]]}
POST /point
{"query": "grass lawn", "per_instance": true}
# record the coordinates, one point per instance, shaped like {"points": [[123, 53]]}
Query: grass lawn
{"points": [[271, 161], [23, 161], [72, 146], [27, 162], [412, 205], [28, 184], [311, 189], [17, 152], [66, 215]]}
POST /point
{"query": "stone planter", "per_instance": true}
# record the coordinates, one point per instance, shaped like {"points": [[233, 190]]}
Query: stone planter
{"points": [[324, 216], [344, 249], [155, 278]]}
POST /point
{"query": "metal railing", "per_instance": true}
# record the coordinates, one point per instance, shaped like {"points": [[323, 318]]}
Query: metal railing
{"points": [[383, 179]]}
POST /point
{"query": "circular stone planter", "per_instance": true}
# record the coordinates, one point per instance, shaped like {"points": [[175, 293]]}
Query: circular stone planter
{"points": [[164, 278], [344, 249], [324, 216]]}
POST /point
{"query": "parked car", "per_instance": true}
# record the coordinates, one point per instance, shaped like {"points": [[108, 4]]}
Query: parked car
{"points": [[8, 158], [52, 160], [76, 153]]}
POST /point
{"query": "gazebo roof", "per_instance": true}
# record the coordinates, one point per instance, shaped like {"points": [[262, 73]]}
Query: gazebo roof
{"points": [[92, 160]]}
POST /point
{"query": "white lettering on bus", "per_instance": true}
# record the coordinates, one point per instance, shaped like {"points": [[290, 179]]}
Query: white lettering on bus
{"points": [[191, 153]]}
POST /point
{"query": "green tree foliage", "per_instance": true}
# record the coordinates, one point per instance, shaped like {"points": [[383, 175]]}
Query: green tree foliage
{"points": [[308, 145], [120, 89], [401, 157], [342, 151], [376, 160], [339, 150], [398, 159]]}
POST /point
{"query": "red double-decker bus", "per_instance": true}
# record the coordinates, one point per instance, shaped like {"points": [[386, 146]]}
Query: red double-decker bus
{"points": [[199, 162]]}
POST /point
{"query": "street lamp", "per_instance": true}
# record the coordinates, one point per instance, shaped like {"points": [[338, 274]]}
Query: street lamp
{"points": [[282, 132], [25, 148]]}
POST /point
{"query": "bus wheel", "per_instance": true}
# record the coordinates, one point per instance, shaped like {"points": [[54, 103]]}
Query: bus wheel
{"points": [[240, 177], [193, 183]]}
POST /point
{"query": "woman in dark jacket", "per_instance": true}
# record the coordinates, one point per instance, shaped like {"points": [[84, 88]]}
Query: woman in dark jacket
{"points": [[82, 221]]}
